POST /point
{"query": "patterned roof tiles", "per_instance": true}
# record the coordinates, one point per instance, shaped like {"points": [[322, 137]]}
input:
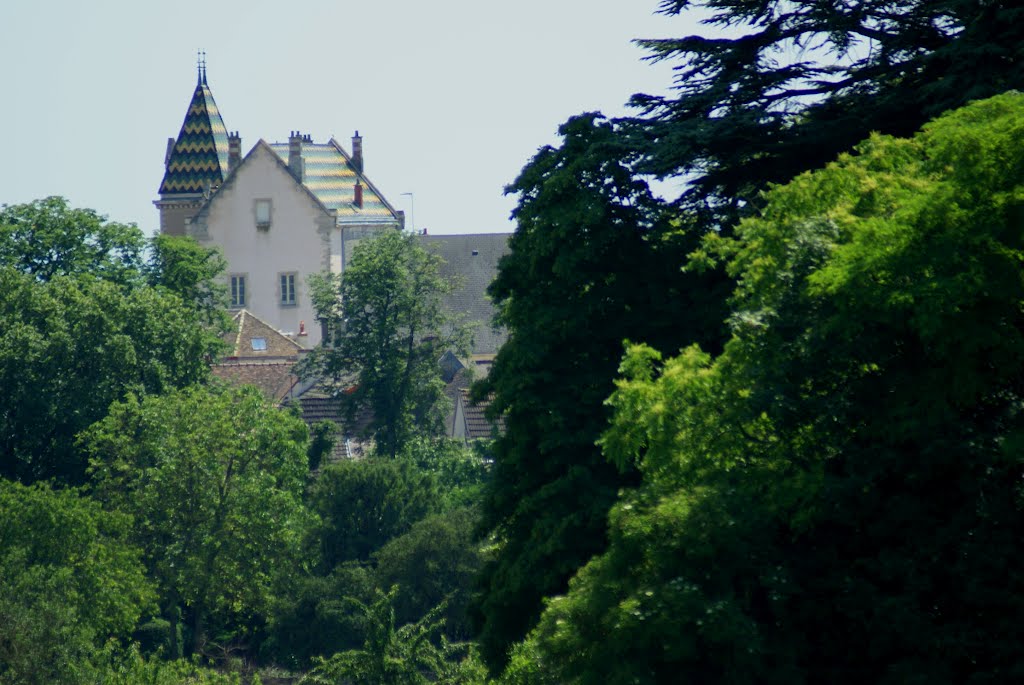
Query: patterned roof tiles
{"points": [[330, 175], [199, 158]]}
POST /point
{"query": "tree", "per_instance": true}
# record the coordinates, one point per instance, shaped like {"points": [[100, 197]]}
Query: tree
{"points": [[86, 317], [71, 346], [390, 656], [386, 331], [186, 268], [213, 477], [434, 562], [793, 84], [594, 260], [837, 497], [48, 238], [69, 581], [363, 504]]}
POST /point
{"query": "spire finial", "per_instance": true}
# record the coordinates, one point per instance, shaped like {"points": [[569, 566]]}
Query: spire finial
{"points": [[201, 66]]}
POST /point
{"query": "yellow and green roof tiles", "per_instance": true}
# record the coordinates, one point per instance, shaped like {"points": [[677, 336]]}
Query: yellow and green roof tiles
{"points": [[331, 177], [199, 158]]}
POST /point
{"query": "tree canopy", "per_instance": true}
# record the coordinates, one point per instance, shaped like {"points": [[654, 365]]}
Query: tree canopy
{"points": [[595, 259], [213, 478], [386, 330], [87, 315], [777, 87], [837, 497]]}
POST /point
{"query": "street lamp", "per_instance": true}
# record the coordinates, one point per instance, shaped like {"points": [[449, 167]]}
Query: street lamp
{"points": [[412, 210]]}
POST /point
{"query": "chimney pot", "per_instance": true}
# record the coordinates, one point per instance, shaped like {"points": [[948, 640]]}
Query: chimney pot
{"points": [[295, 154], [234, 150], [357, 152]]}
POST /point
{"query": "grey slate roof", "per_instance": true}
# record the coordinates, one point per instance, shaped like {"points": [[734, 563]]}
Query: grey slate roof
{"points": [[473, 257]]}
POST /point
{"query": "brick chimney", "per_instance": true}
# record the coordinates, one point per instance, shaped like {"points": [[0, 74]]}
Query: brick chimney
{"points": [[234, 150], [295, 164], [358, 202], [357, 152]]}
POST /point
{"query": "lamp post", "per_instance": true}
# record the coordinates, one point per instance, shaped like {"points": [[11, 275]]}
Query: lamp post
{"points": [[412, 210]]}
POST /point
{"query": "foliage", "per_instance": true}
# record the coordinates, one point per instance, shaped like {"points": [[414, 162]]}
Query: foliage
{"points": [[323, 435], [48, 238], [213, 477], [594, 260], [314, 619], [778, 87], [191, 271], [389, 656], [129, 667], [460, 471], [434, 562], [68, 582], [363, 504], [387, 330], [80, 328], [837, 497]]}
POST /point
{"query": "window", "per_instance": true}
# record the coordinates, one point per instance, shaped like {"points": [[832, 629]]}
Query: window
{"points": [[262, 209], [288, 289], [237, 291], [259, 344]]}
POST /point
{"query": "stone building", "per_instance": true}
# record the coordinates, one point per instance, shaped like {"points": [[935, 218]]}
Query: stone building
{"points": [[279, 213]]}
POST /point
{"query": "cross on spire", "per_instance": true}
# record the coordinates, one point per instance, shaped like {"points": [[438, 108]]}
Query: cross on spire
{"points": [[201, 66]]}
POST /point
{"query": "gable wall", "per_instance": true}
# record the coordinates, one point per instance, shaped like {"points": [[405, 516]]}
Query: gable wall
{"points": [[298, 239]]}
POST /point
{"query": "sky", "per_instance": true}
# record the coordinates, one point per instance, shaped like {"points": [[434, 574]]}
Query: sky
{"points": [[452, 97]]}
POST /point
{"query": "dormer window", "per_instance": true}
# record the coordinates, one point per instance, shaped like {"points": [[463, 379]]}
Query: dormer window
{"points": [[263, 212]]}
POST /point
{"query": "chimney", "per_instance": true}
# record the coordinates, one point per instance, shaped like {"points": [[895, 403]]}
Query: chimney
{"points": [[359, 195], [295, 140], [234, 150], [357, 152], [170, 149]]}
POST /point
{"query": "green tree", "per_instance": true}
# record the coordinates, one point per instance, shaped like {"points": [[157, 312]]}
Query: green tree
{"points": [[594, 260], [87, 314], [774, 88], [837, 497], [213, 477], [386, 331], [72, 345], [389, 656], [434, 562], [48, 238], [460, 471], [363, 504], [191, 271], [69, 581]]}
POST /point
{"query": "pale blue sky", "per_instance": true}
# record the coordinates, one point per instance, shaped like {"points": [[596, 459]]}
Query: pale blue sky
{"points": [[451, 97]]}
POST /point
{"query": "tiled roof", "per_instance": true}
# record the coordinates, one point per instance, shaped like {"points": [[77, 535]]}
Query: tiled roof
{"points": [[331, 176], [199, 159], [477, 425], [474, 259], [317, 405], [274, 378], [253, 338]]}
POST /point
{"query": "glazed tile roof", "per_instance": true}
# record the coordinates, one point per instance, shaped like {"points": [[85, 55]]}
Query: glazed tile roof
{"points": [[331, 176], [199, 158]]}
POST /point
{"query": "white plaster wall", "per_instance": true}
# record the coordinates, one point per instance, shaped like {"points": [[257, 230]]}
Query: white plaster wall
{"points": [[293, 243]]}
